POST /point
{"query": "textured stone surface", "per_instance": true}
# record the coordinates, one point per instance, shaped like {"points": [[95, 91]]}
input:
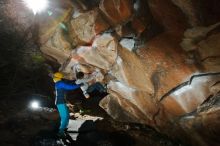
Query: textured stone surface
{"points": [[168, 15], [142, 18], [48, 27], [57, 46], [85, 27], [125, 30], [194, 35], [139, 98], [131, 71], [102, 53], [190, 10], [212, 64], [210, 47], [145, 82], [113, 104], [209, 51], [206, 119], [116, 11], [189, 97], [166, 64]]}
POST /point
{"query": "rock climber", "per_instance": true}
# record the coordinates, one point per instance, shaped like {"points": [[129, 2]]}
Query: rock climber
{"points": [[84, 79]]}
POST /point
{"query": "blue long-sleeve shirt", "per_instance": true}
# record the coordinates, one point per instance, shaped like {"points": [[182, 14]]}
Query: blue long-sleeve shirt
{"points": [[61, 87]]}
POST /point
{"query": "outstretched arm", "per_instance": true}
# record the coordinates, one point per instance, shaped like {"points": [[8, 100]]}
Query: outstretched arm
{"points": [[68, 86]]}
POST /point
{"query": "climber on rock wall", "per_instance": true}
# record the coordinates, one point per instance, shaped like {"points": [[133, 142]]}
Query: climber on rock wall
{"points": [[85, 79]]}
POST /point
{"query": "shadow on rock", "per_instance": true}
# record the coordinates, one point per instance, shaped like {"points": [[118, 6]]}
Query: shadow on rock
{"points": [[85, 135]]}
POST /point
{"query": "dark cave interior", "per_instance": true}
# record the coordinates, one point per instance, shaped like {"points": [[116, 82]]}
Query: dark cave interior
{"points": [[145, 50]]}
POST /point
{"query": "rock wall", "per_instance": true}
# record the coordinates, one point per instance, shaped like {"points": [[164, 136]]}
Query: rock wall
{"points": [[159, 61]]}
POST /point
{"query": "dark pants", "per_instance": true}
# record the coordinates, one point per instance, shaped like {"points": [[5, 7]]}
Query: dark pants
{"points": [[96, 86]]}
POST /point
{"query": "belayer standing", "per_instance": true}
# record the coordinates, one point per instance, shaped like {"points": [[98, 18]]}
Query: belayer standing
{"points": [[61, 87]]}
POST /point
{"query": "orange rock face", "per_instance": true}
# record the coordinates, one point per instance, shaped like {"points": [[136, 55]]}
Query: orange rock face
{"points": [[168, 15], [116, 11], [57, 46], [85, 27], [162, 82], [190, 96], [209, 51], [166, 63]]}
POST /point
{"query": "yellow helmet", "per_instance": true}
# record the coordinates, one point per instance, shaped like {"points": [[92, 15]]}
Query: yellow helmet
{"points": [[57, 76]]}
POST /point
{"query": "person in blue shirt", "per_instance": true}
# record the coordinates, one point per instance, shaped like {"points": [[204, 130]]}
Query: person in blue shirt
{"points": [[61, 87]]}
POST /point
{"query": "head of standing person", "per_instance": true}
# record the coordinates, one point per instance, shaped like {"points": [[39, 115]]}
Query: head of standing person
{"points": [[58, 76]]}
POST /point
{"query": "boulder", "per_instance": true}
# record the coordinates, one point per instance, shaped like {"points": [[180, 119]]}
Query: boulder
{"points": [[142, 100], [85, 27], [190, 10], [187, 98], [168, 16], [57, 46], [155, 84], [125, 30], [47, 28], [196, 34], [202, 127], [116, 11], [211, 64], [139, 25], [102, 53], [142, 18], [165, 63], [209, 52], [130, 70], [121, 109]]}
